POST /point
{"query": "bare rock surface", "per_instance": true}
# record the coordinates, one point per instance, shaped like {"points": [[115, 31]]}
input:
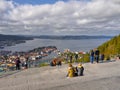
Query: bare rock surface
{"points": [[101, 76]]}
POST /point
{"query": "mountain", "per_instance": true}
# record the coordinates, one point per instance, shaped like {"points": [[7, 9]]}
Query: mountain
{"points": [[71, 37], [10, 40], [111, 47], [13, 37]]}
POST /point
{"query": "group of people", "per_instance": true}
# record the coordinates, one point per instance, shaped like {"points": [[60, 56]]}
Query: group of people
{"points": [[70, 58], [56, 61], [19, 63], [75, 71], [95, 55]]}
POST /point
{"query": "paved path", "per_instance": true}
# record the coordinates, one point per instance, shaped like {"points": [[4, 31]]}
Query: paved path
{"points": [[101, 76]]}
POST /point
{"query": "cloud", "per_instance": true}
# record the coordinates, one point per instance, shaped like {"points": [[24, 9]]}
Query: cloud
{"points": [[63, 18]]}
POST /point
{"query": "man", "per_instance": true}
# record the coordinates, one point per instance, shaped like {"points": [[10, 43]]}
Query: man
{"points": [[97, 52], [91, 56], [18, 63]]}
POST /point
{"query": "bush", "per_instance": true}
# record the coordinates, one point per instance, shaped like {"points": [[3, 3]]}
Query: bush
{"points": [[43, 64], [84, 58]]}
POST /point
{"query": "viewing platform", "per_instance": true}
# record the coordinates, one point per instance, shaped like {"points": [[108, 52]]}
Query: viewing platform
{"points": [[97, 76]]}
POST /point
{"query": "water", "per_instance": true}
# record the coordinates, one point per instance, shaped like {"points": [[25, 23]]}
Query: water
{"points": [[73, 45]]}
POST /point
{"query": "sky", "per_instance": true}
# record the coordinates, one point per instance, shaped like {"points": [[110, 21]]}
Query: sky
{"points": [[60, 17]]}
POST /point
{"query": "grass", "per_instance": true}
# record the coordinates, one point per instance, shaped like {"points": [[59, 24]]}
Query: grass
{"points": [[43, 64]]}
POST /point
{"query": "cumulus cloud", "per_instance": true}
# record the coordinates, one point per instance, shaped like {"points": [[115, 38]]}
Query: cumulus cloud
{"points": [[63, 18]]}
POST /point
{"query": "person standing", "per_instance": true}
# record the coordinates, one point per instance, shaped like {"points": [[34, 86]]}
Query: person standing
{"points": [[76, 56], [18, 63], [71, 58], [97, 52], [26, 64], [67, 58], [102, 57], [92, 56]]}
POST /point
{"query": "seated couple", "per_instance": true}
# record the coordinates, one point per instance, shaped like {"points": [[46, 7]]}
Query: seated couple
{"points": [[75, 71]]}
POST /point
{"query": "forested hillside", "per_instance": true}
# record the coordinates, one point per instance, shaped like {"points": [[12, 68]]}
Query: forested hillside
{"points": [[111, 47], [10, 40], [13, 37]]}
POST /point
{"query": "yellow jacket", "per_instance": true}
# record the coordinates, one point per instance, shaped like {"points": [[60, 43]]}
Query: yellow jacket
{"points": [[71, 72]]}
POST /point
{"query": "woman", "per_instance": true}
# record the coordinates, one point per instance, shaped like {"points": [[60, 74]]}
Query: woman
{"points": [[71, 71]]}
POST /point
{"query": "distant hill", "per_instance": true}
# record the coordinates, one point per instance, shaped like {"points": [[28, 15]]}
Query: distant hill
{"points": [[72, 37], [11, 40], [13, 37], [111, 47]]}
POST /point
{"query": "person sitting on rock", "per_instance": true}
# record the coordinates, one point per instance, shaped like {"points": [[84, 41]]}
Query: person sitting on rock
{"points": [[53, 62], [71, 71], [76, 71], [59, 62], [80, 69]]}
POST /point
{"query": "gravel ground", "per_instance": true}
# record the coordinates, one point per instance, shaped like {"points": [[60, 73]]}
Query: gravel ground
{"points": [[101, 76]]}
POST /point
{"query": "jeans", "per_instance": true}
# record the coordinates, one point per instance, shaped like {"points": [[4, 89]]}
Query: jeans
{"points": [[91, 59]]}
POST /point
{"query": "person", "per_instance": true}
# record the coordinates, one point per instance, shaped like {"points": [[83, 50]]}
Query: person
{"points": [[59, 62], [76, 71], [102, 57], [97, 52], [71, 58], [71, 71], [92, 56], [67, 58], [53, 62], [76, 57], [18, 63], [80, 69], [26, 64]]}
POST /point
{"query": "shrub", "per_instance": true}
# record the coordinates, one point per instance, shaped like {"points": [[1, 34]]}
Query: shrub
{"points": [[43, 64]]}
